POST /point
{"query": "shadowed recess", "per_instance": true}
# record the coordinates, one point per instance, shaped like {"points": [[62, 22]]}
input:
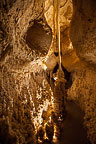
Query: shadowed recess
{"points": [[38, 38]]}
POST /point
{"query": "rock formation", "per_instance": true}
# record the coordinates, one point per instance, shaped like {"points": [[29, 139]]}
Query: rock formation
{"points": [[26, 50]]}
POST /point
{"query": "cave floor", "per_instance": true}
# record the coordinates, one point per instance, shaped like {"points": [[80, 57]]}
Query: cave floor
{"points": [[72, 130]]}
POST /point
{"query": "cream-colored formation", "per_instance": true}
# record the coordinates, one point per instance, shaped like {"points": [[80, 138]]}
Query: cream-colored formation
{"points": [[65, 16], [25, 93], [66, 11]]}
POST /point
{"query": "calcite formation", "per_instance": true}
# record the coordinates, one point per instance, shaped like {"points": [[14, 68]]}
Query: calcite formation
{"points": [[26, 51]]}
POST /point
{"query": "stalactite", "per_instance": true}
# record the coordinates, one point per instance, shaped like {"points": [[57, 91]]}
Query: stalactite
{"points": [[56, 31], [59, 85]]}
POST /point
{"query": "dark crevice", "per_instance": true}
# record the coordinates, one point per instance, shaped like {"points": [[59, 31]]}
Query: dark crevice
{"points": [[38, 38], [6, 4], [5, 52], [68, 77]]}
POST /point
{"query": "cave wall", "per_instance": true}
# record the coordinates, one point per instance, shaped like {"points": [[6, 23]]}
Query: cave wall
{"points": [[83, 29], [24, 89], [82, 34], [83, 92]]}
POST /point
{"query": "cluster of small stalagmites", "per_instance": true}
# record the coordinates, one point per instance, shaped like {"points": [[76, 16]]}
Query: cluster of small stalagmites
{"points": [[45, 134], [58, 112], [49, 127], [50, 130]]}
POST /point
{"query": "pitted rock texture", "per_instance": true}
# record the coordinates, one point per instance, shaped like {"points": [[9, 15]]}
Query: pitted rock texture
{"points": [[23, 85], [15, 24], [83, 92], [83, 29], [83, 35]]}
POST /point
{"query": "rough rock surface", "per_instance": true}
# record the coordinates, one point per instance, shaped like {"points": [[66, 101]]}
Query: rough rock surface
{"points": [[22, 75], [83, 92], [83, 35], [83, 29], [24, 91]]}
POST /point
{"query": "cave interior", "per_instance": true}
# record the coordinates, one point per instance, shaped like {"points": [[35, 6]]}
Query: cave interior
{"points": [[47, 72]]}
